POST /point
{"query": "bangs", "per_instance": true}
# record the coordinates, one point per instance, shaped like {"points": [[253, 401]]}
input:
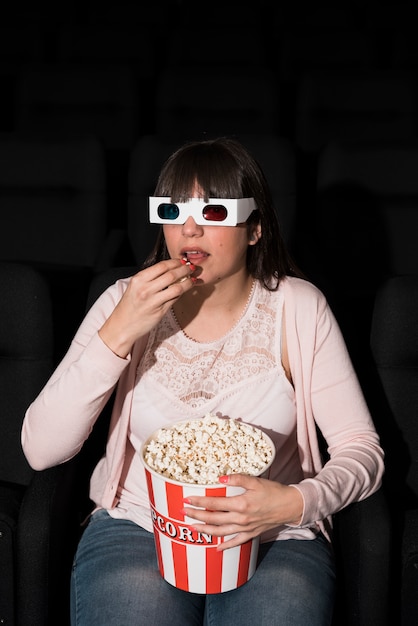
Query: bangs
{"points": [[209, 165]]}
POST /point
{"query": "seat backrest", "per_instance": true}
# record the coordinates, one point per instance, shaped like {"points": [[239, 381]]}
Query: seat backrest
{"points": [[54, 217], [26, 359], [367, 205], [354, 105], [89, 98], [366, 220], [52, 199], [394, 344]]}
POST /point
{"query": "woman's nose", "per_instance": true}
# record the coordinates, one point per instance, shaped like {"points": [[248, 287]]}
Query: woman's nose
{"points": [[190, 228]]}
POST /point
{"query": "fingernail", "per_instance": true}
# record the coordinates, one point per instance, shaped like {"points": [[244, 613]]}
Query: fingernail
{"points": [[186, 500], [183, 261], [223, 479], [192, 267]]}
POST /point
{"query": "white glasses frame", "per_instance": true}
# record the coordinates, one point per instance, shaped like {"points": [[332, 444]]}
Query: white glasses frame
{"points": [[238, 210]]}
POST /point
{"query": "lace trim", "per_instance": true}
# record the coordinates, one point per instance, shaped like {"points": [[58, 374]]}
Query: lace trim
{"points": [[196, 372]]}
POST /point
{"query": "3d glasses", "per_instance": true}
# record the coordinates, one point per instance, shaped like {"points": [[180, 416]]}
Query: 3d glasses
{"points": [[215, 212]]}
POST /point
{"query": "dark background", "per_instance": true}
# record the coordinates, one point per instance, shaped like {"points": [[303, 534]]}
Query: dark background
{"points": [[95, 94], [307, 73], [333, 84]]}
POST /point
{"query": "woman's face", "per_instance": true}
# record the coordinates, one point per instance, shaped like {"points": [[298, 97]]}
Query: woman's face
{"points": [[216, 251]]}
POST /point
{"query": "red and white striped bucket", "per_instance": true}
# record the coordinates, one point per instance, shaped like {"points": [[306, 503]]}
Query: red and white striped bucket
{"points": [[188, 559]]}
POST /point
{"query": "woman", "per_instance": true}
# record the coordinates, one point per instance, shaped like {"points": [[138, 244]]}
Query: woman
{"points": [[219, 320]]}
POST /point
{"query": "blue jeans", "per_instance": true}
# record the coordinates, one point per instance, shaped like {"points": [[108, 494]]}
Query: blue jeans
{"points": [[116, 582]]}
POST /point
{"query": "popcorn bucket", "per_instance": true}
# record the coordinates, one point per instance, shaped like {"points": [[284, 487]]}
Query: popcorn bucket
{"points": [[187, 558]]}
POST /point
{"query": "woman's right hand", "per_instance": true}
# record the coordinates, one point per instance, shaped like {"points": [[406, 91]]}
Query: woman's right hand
{"points": [[149, 295]]}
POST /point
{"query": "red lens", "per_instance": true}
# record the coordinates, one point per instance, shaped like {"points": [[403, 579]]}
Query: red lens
{"points": [[215, 213]]}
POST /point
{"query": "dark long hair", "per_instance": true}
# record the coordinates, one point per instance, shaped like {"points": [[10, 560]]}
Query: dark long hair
{"points": [[223, 168]]}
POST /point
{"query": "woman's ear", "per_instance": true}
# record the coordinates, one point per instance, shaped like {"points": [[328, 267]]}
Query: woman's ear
{"points": [[255, 234]]}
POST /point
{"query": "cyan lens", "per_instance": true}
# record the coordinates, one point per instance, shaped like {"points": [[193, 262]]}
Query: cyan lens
{"points": [[215, 212], [168, 211]]}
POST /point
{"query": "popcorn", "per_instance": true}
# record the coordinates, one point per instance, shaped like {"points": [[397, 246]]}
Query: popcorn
{"points": [[199, 451]]}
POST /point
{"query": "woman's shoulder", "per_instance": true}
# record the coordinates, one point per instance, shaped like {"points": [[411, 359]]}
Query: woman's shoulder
{"points": [[296, 292], [301, 288], [304, 302]]}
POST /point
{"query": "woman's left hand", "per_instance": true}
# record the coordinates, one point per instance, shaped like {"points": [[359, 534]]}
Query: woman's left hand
{"points": [[265, 504]]}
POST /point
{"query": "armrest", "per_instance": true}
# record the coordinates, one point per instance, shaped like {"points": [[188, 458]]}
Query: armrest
{"points": [[410, 568], [362, 540], [48, 531]]}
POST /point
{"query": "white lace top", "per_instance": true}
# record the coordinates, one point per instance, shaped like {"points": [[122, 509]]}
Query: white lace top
{"points": [[239, 375]]}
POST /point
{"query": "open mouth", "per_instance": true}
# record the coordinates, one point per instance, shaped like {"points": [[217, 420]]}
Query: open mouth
{"points": [[192, 257]]}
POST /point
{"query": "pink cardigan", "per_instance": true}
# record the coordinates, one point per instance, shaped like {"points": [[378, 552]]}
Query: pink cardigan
{"points": [[328, 395]]}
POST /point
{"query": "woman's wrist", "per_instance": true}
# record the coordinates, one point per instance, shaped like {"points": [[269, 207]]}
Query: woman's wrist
{"points": [[115, 343], [298, 506]]}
